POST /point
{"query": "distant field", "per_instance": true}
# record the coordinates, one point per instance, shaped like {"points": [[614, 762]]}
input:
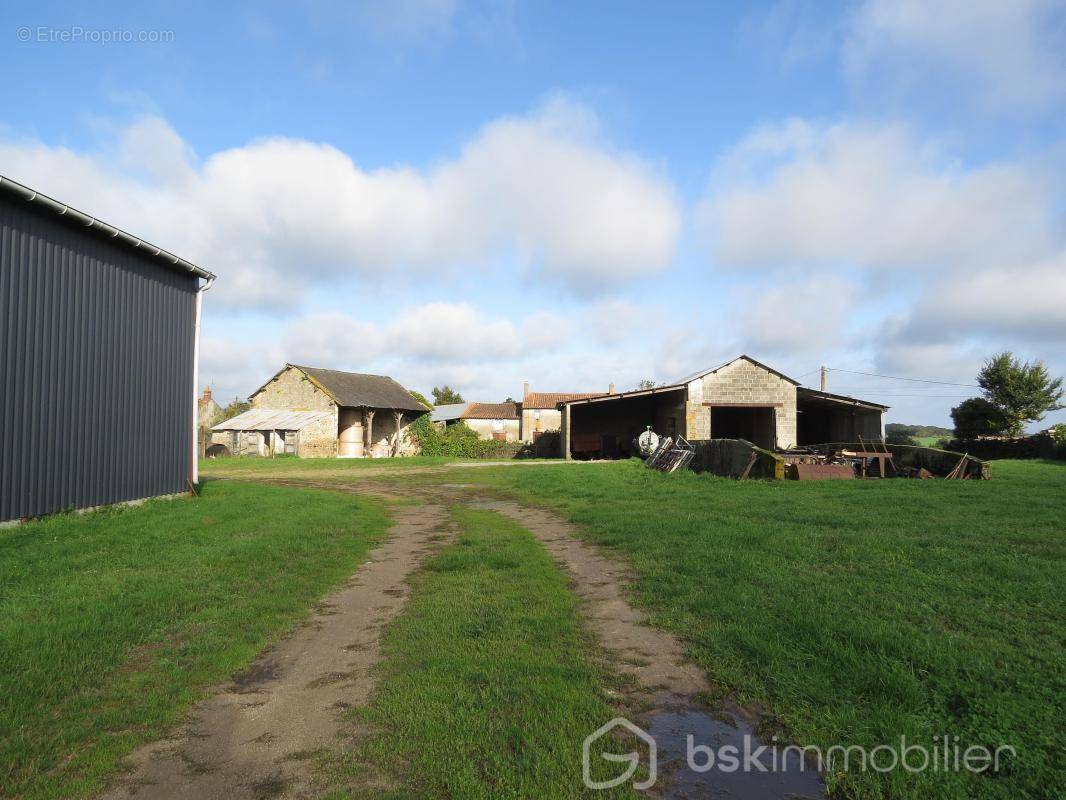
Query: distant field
{"points": [[112, 622], [928, 441], [855, 612]]}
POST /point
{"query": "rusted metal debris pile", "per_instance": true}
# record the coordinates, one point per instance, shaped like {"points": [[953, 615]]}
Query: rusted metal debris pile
{"points": [[868, 460], [671, 454]]}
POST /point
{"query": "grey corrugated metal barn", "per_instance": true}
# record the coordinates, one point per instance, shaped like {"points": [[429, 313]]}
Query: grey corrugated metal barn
{"points": [[98, 349]]}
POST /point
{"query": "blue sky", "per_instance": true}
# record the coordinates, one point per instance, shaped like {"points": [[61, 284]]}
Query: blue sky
{"points": [[482, 193]]}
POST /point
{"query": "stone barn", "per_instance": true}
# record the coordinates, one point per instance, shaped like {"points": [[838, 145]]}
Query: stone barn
{"points": [[338, 414], [742, 399]]}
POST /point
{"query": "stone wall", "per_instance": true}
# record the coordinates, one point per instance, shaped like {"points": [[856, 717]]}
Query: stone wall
{"points": [[539, 419], [486, 428], [319, 439], [742, 382], [294, 391], [730, 457]]}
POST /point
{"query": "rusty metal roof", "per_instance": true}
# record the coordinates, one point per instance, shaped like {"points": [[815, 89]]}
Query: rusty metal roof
{"points": [[491, 411], [271, 419], [542, 400]]}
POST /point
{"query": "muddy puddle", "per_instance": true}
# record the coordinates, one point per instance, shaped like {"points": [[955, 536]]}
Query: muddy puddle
{"points": [[725, 760]]}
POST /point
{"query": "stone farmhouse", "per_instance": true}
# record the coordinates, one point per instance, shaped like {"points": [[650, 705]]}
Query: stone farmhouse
{"points": [[741, 399], [312, 412], [488, 420], [540, 410]]}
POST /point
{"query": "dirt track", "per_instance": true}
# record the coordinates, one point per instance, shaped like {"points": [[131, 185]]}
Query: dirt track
{"points": [[252, 739]]}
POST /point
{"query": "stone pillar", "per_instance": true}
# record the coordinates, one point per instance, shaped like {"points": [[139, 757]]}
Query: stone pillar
{"points": [[368, 433], [399, 431], [564, 432]]}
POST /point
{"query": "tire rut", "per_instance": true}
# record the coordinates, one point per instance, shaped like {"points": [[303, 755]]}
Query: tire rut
{"points": [[255, 736]]}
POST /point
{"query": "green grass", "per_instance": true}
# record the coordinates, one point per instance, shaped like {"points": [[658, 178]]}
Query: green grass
{"points": [[929, 441], [487, 689], [253, 465], [855, 611], [112, 622]]}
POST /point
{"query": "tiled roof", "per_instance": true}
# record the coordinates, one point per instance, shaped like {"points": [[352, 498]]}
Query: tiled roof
{"points": [[491, 411], [552, 399]]}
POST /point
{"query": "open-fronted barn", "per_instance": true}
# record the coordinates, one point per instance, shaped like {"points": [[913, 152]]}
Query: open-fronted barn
{"points": [[741, 399], [98, 350], [364, 415]]}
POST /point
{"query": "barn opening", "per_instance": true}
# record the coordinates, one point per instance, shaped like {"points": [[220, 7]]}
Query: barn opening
{"points": [[823, 418], [755, 423], [607, 427]]}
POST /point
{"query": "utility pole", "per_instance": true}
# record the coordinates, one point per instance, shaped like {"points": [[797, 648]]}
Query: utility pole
{"points": [[824, 370]]}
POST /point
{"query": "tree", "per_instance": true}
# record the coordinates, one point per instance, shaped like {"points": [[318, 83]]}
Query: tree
{"points": [[1021, 391], [646, 383], [238, 406], [421, 398], [443, 395], [978, 417]]}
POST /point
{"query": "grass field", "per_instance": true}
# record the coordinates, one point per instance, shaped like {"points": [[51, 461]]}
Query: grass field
{"points": [[929, 441], [111, 622], [848, 612], [856, 612], [488, 688]]}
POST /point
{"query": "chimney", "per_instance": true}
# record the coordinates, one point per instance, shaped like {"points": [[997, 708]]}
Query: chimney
{"points": [[525, 391], [610, 388]]}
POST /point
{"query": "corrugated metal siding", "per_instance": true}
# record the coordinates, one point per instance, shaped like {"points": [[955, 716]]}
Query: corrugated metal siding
{"points": [[96, 361]]}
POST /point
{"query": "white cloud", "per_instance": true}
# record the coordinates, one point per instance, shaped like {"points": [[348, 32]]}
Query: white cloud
{"points": [[610, 322], [279, 213], [407, 19], [999, 54], [330, 339], [452, 332], [796, 318], [1013, 304], [442, 332], [234, 368], [870, 197]]}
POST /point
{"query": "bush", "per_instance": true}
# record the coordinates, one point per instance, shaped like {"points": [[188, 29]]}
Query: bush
{"points": [[1058, 432], [458, 441]]}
